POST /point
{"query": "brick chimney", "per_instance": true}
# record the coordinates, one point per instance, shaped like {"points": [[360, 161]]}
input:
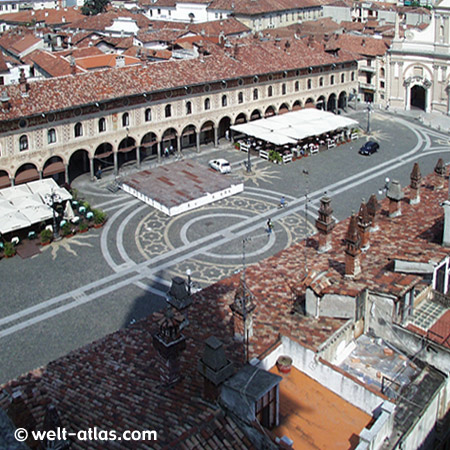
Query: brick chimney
{"points": [[395, 195], [439, 170], [372, 209], [214, 367], [325, 224], [415, 177], [363, 226], [242, 309], [178, 295], [169, 343], [23, 85], [352, 249]]}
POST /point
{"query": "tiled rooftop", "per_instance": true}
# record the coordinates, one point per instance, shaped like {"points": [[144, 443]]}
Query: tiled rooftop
{"points": [[48, 16], [316, 418]]}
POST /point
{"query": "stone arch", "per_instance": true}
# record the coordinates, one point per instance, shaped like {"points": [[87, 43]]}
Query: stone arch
{"points": [[126, 150], [418, 97], [309, 103], [332, 103], [270, 111], [224, 125], [342, 100], [78, 164], [321, 103], [103, 156], [284, 108], [207, 132], [149, 145], [4, 179], [189, 136], [26, 173], [54, 167], [240, 118], [297, 105], [409, 70], [255, 115], [169, 138]]}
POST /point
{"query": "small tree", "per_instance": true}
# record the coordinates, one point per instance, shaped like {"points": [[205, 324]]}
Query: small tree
{"points": [[9, 249], [94, 7], [46, 236], [99, 216]]}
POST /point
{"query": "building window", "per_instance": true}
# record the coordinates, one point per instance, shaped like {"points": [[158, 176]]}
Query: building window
{"points": [[382, 73], [309, 83], [148, 115], [255, 94], [23, 143], [266, 409], [125, 119], [188, 108], [240, 97], [321, 81], [159, 10], [168, 111], [332, 79], [283, 89], [342, 77], [296, 86], [353, 76], [382, 84], [207, 104], [224, 100], [269, 91], [51, 136], [78, 129], [101, 125]]}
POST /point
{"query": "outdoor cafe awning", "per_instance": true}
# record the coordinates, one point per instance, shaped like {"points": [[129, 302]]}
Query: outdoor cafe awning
{"points": [[294, 126]]}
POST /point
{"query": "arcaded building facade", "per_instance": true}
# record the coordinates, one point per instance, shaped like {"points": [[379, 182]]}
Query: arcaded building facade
{"points": [[65, 126]]}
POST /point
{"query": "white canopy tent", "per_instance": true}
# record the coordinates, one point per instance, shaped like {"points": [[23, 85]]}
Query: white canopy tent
{"points": [[24, 205], [294, 126]]}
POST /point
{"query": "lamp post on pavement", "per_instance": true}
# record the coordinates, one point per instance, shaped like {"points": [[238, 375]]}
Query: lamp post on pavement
{"points": [[50, 200], [189, 273], [369, 110]]}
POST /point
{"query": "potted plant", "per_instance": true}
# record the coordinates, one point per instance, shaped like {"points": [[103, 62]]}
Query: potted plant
{"points": [[99, 218], [275, 157], [237, 146], [9, 250], [284, 364], [66, 230], [45, 236], [83, 227]]}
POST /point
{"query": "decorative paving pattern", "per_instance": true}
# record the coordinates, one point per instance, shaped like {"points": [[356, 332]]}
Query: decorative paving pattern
{"points": [[427, 314], [70, 244], [156, 234], [260, 174]]}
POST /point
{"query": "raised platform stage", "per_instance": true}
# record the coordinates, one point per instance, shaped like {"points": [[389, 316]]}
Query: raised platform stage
{"points": [[180, 186]]}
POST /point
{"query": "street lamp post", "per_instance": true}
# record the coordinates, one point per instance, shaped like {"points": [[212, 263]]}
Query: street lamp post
{"points": [[369, 110], [249, 163], [189, 283], [50, 199]]}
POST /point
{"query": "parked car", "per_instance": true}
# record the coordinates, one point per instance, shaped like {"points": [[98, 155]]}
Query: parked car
{"points": [[221, 165], [368, 148]]}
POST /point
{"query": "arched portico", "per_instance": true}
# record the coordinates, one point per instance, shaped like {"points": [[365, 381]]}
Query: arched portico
{"points": [[309, 103], [284, 108], [270, 111], [241, 118], [26, 173], [125, 152], [169, 139], [224, 126], [149, 146], [104, 158], [189, 137], [321, 103], [4, 179], [297, 105], [342, 100], [331, 103], [208, 133], [78, 164], [255, 115], [54, 167]]}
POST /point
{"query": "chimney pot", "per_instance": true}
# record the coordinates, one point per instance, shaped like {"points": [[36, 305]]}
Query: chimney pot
{"points": [[395, 195], [364, 223], [352, 249], [372, 209], [178, 295], [325, 224], [242, 309], [415, 177], [440, 174]]}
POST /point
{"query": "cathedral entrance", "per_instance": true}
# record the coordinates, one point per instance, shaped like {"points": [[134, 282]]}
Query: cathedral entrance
{"points": [[418, 97]]}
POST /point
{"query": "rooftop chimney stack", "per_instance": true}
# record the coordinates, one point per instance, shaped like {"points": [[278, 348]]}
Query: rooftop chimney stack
{"points": [[73, 66], [416, 178], [395, 195], [325, 224], [169, 343], [5, 101], [23, 85], [439, 170], [242, 309], [352, 249], [363, 226], [214, 367], [372, 210]]}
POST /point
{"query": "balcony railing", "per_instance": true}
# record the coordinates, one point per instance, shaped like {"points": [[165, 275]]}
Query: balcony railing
{"points": [[366, 68], [367, 86]]}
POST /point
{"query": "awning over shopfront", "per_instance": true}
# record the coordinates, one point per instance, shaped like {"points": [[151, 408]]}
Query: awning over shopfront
{"points": [[54, 168], [294, 126]]}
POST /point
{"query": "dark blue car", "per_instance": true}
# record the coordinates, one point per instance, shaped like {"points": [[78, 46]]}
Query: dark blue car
{"points": [[368, 148]]}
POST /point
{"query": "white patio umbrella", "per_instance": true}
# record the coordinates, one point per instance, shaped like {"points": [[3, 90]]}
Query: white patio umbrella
{"points": [[13, 221]]}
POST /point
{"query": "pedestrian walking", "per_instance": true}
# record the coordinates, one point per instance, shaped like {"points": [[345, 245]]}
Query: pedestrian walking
{"points": [[269, 226], [282, 202], [166, 152]]}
